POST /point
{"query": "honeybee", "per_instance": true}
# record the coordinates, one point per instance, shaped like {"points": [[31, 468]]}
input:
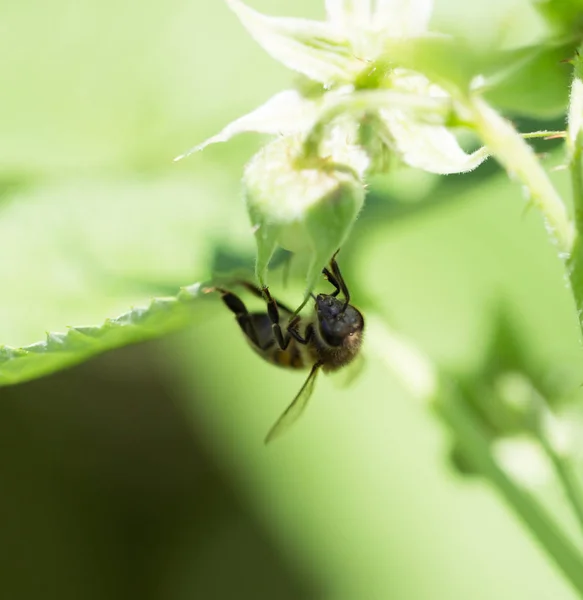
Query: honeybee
{"points": [[326, 341]]}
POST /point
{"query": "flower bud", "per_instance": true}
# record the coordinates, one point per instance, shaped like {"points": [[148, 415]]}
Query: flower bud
{"points": [[305, 203]]}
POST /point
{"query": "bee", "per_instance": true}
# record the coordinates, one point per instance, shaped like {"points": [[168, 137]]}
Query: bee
{"points": [[326, 341]]}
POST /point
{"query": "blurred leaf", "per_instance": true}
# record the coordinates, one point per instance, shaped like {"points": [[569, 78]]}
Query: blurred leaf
{"points": [[474, 443], [565, 16], [499, 390], [508, 351], [530, 80], [445, 60], [61, 350], [88, 248], [123, 92], [536, 82]]}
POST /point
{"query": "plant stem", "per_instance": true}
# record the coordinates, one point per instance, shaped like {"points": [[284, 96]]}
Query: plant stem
{"points": [[567, 479], [575, 259], [519, 160], [419, 376], [542, 430], [543, 134], [577, 182], [507, 145], [477, 449]]}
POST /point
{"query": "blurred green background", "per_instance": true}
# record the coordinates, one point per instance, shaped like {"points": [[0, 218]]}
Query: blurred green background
{"points": [[142, 473]]}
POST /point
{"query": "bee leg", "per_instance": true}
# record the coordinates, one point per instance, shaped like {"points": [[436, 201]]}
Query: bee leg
{"points": [[257, 292], [238, 308], [273, 313], [297, 335], [332, 280], [339, 280]]}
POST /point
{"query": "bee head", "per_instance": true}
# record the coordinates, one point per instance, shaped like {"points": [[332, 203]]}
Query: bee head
{"points": [[338, 322]]}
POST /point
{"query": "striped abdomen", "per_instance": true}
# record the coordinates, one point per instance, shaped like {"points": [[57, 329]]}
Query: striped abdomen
{"points": [[295, 356]]}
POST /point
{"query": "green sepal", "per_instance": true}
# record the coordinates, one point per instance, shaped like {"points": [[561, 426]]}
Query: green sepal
{"points": [[328, 225]]}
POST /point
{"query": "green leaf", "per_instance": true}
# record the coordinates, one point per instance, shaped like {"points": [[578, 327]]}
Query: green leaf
{"points": [[61, 350], [532, 81], [79, 251], [448, 61]]}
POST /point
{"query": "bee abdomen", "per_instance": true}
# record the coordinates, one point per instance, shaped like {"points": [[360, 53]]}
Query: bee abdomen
{"points": [[291, 358]]}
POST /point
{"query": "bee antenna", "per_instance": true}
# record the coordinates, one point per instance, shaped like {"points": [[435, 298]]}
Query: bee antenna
{"points": [[314, 297]]}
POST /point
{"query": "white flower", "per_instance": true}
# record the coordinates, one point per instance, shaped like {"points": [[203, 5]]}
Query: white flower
{"points": [[338, 53]]}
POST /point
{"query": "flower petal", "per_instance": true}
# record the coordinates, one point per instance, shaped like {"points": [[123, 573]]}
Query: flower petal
{"points": [[402, 18], [285, 113], [353, 13], [432, 148], [317, 49]]}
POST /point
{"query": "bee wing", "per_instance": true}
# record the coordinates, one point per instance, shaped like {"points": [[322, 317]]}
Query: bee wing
{"points": [[296, 408], [346, 376]]}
